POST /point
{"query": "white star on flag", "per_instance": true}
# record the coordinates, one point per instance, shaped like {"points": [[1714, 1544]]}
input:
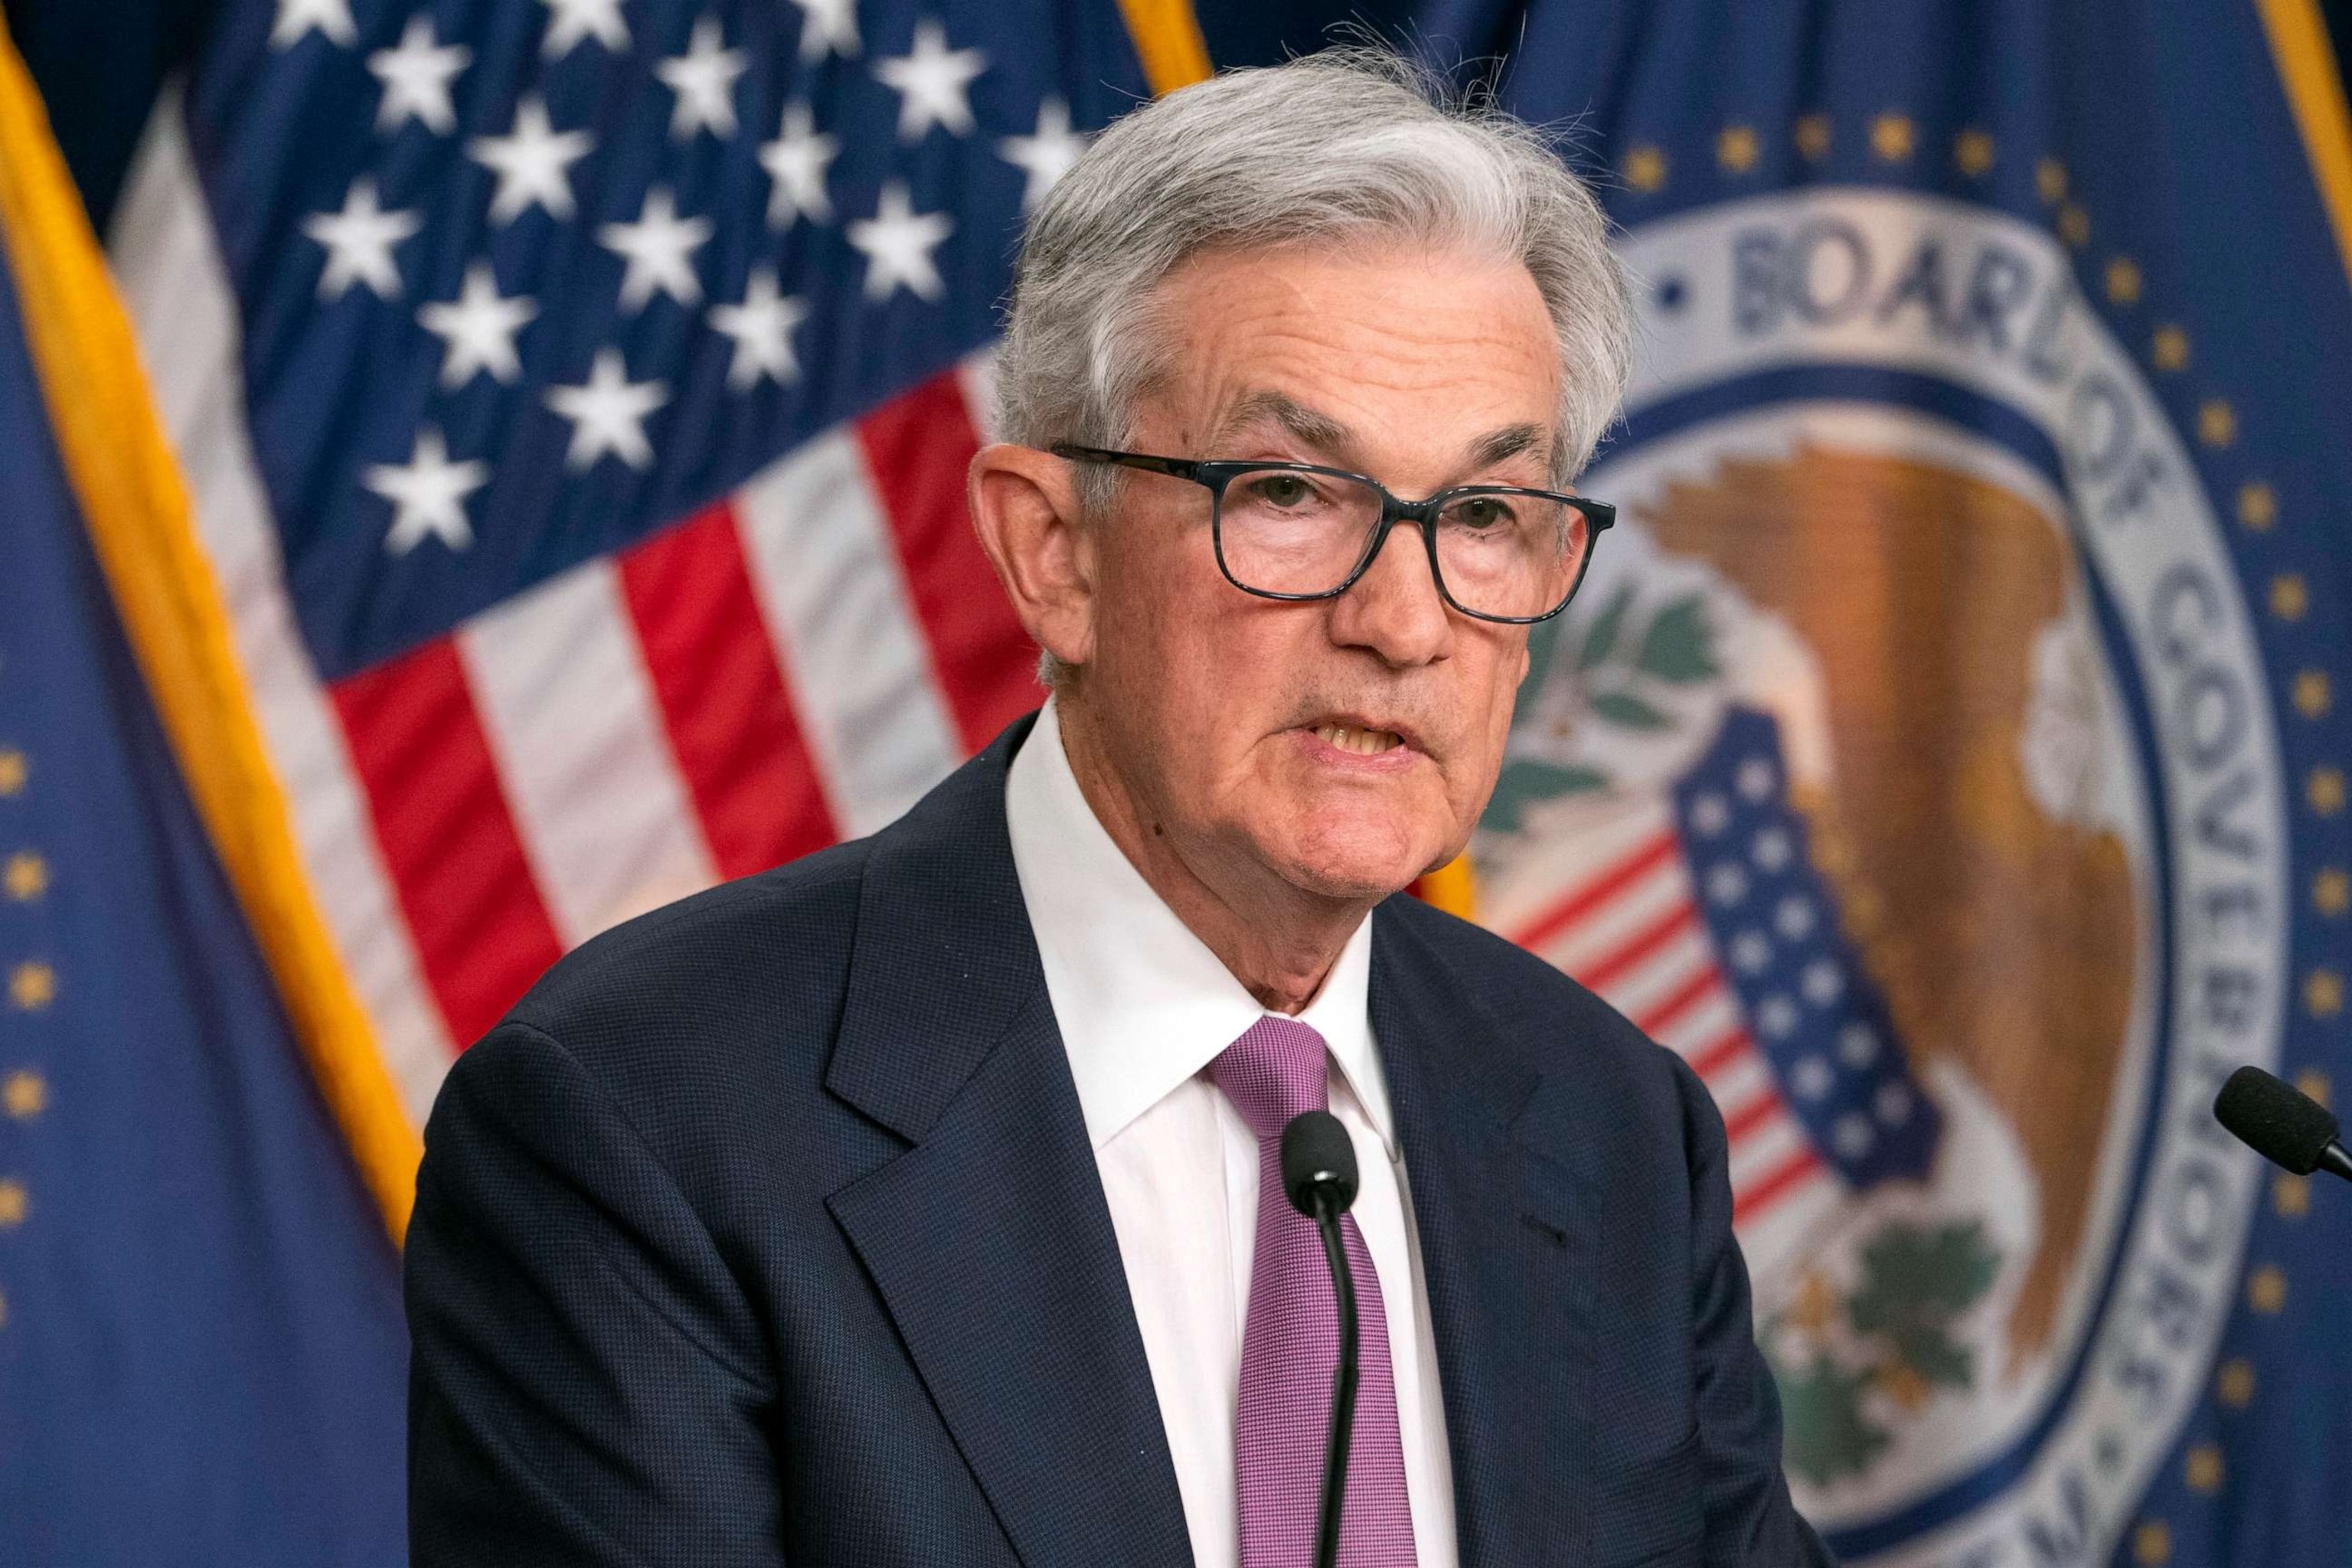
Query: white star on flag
{"points": [[761, 328], [658, 248], [576, 19], [296, 17], [477, 330], [608, 412], [359, 241], [704, 80], [828, 26], [533, 162], [416, 77], [796, 162], [428, 494], [1045, 156], [931, 81], [897, 242]]}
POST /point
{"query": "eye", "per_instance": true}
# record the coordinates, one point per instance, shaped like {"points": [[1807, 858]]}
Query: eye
{"points": [[1480, 512], [1283, 491]]}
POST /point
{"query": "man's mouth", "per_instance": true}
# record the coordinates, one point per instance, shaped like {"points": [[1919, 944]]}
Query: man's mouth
{"points": [[1362, 743]]}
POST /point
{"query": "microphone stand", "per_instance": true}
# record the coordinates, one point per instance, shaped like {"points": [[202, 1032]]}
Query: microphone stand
{"points": [[1343, 1383], [1318, 1176]]}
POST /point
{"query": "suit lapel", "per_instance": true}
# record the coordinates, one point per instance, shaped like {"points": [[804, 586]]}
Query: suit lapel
{"points": [[990, 1239], [1507, 1255]]}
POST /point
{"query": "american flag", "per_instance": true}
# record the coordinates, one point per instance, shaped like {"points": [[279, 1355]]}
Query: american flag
{"points": [[1701, 916], [574, 398]]}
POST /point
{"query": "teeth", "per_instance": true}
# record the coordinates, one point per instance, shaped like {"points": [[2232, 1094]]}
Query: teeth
{"points": [[1363, 743]]}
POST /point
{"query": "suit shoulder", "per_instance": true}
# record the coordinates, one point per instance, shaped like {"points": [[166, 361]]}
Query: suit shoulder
{"points": [[774, 945], [1532, 1001], [1507, 977]]}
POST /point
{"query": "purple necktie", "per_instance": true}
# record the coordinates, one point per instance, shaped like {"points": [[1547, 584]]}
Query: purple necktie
{"points": [[1291, 1345]]}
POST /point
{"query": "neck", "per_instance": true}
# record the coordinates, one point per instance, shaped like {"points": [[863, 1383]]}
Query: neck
{"points": [[1277, 939]]}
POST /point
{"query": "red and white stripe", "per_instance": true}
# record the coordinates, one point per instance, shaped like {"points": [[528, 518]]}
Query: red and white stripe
{"points": [[1627, 923], [794, 664]]}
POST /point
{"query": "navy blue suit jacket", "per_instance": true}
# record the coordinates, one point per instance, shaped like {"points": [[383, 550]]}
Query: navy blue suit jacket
{"points": [[766, 1230]]}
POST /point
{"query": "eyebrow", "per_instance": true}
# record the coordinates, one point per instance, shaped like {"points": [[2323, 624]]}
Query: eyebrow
{"points": [[1310, 425], [1500, 445], [1320, 430]]}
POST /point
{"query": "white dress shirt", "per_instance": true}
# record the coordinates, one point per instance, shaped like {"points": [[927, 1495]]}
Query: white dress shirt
{"points": [[1144, 1007]]}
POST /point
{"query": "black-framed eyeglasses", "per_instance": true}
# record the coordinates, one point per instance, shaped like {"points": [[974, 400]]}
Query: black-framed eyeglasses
{"points": [[1298, 531]]}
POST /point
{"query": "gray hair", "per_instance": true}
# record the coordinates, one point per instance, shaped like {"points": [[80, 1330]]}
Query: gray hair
{"points": [[1345, 144]]}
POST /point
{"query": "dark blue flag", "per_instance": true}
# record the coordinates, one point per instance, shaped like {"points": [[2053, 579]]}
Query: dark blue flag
{"points": [[1949, 754], [201, 1349]]}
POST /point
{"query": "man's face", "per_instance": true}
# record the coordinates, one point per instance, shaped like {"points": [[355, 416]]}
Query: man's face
{"points": [[1346, 744]]}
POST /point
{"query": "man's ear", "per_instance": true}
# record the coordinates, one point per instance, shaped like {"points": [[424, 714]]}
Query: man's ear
{"points": [[1024, 504]]}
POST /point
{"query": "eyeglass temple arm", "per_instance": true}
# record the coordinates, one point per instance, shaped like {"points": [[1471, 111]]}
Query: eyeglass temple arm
{"points": [[1174, 468]]}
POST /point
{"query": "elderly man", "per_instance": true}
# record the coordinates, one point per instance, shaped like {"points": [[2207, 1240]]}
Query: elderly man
{"points": [[917, 1203]]}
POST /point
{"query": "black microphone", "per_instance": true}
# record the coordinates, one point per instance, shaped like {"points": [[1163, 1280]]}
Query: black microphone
{"points": [[1318, 1171], [2277, 1121]]}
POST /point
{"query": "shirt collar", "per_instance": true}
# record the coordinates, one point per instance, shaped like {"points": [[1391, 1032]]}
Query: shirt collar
{"points": [[1142, 1004]]}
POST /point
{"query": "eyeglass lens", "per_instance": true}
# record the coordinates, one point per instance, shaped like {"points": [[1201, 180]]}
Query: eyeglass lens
{"points": [[1502, 553]]}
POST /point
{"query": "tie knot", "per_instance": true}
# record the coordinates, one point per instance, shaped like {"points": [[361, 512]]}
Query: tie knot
{"points": [[1273, 1072]]}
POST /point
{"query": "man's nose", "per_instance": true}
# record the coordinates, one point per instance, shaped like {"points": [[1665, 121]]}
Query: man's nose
{"points": [[1394, 608]]}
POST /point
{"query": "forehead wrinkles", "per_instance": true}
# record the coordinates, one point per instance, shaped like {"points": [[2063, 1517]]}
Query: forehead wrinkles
{"points": [[1232, 323], [1324, 433]]}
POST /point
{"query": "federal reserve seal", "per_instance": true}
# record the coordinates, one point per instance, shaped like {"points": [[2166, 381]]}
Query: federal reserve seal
{"points": [[1907, 765]]}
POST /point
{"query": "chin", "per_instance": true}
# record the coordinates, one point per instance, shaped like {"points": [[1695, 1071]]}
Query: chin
{"points": [[1357, 859]]}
